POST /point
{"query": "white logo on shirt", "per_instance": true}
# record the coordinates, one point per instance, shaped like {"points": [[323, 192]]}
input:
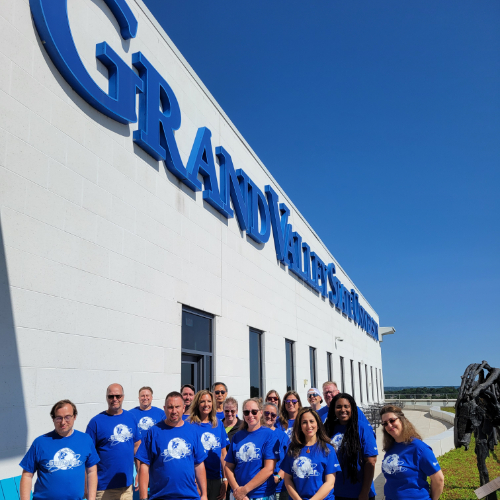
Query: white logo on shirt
{"points": [[121, 434], [64, 459], [392, 464], [209, 441], [248, 452], [146, 422], [177, 448], [288, 432], [337, 441], [434, 463], [303, 467]]}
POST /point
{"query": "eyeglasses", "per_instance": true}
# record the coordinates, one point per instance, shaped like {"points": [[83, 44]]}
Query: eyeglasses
{"points": [[220, 392], [270, 414], [391, 421], [271, 398], [247, 412], [291, 401], [113, 396], [230, 411], [67, 418], [309, 396]]}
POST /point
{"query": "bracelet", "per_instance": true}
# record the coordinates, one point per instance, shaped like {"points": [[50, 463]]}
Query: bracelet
{"points": [[224, 479]]}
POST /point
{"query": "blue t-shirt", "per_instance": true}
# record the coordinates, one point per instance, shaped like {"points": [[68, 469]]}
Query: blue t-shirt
{"points": [[185, 417], [60, 464], [172, 453], [343, 485], [323, 413], [247, 451], [287, 431], [220, 415], [309, 470], [282, 444], [114, 437], [213, 439], [406, 468], [147, 418]]}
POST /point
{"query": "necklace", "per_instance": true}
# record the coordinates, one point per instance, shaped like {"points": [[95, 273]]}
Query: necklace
{"points": [[308, 450]]}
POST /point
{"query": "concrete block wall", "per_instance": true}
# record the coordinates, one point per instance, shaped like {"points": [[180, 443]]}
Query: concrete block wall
{"points": [[101, 246]]}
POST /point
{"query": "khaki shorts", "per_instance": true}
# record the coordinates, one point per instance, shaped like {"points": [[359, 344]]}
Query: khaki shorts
{"points": [[115, 494]]}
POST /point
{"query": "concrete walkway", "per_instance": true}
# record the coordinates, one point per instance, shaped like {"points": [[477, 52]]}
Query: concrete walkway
{"points": [[425, 425]]}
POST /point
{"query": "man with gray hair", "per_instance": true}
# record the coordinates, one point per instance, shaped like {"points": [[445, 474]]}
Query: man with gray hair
{"points": [[116, 437]]}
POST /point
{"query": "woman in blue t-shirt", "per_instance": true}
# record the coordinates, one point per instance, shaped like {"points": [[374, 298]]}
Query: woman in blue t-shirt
{"points": [[356, 449], [214, 439], [252, 455], [288, 412], [270, 415], [408, 461], [310, 464]]}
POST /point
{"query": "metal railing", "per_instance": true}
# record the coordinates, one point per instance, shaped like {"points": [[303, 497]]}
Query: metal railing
{"points": [[422, 396]]}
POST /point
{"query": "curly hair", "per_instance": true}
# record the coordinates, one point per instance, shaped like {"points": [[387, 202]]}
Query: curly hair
{"points": [[283, 411], [350, 450], [194, 409], [409, 432], [298, 440]]}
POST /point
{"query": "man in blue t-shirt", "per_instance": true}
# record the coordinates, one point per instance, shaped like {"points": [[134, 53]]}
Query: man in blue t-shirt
{"points": [[61, 459], [146, 414], [171, 457], [220, 394], [116, 437]]}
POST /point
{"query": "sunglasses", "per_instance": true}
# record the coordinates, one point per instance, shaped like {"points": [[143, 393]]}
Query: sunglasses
{"points": [[389, 421], [247, 412], [220, 392], [230, 411], [271, 398], [270, 414], [113, 396], [312, 396], [291, 401]]}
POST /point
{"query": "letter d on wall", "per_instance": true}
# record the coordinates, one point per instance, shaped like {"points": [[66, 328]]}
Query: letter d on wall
{"points": [[51, 21]]}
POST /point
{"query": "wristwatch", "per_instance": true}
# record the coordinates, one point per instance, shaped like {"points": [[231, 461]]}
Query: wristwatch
{"points": [[278, 477], [224, 479]]}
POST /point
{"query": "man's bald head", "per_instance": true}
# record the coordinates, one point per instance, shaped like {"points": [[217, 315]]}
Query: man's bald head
{"points": [[114, 387]]}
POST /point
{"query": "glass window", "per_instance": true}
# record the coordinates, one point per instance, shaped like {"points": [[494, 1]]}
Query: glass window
{"points": [[376, 380], [256, 385], [329, 365], [196, 357], [373, 389], [366, 383], [352, 380], [342, 380], [360, 383], [290, 365], [312, 365]]}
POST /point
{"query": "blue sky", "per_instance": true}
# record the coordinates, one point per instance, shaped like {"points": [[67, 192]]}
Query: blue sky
{"points": [[381, 120]]}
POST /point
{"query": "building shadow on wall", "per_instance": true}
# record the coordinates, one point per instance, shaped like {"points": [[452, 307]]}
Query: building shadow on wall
{"points": [[12, 405]]}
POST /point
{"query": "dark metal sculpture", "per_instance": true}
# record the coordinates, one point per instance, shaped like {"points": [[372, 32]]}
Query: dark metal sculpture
{"points": [[477, 411]]}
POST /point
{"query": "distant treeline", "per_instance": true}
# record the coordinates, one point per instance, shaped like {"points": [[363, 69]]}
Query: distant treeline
{"points": [[449, 390]]}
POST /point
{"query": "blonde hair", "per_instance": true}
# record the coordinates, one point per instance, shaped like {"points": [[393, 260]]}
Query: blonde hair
{"points": [[409, 432], [258, 402], [194, 409]]}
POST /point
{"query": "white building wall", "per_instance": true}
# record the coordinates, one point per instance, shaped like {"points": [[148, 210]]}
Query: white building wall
{"points": [[102, 246]]}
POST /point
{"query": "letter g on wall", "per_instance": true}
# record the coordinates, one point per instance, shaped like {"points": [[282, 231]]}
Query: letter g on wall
{"points": [[52, 24]]}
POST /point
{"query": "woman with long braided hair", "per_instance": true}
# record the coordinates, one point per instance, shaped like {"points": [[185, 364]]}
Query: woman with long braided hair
{"points": [[356, 449]]}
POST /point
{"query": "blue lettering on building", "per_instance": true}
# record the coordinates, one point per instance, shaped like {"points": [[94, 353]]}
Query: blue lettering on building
{"points": [[258, 213]]}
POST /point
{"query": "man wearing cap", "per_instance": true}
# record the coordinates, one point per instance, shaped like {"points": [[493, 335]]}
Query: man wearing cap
{"points": [[314, 398]]}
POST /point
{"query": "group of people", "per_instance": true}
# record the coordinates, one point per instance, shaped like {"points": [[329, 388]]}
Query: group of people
{"points": [[197, 448]]}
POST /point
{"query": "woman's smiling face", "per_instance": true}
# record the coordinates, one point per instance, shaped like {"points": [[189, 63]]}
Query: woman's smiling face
{"points": [[343, 410]]}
